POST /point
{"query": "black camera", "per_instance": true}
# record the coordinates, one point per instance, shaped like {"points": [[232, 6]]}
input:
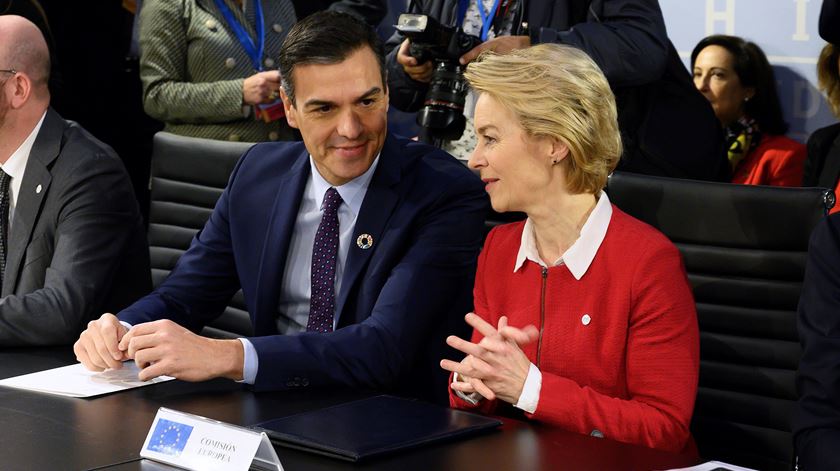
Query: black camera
{"points": [[442, 116]]}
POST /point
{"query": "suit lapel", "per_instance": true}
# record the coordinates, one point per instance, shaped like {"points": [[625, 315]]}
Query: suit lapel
{"points": [[33, 188], [276, 245], [210, 7], [379, 203]]}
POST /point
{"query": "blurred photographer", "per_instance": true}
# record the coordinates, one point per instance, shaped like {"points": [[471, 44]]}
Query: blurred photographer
{"points": [[667, 127]]}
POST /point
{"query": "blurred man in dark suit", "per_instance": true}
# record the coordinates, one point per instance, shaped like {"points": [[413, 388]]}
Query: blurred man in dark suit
{"points": [[71, 238]]}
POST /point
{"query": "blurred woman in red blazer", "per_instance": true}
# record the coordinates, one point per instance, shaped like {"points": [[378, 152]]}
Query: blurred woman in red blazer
{"points": [[736, 78], [583, 315]]}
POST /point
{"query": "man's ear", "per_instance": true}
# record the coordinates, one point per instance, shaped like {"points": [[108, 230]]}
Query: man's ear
{"points": [[289, 107], [21, 90]]}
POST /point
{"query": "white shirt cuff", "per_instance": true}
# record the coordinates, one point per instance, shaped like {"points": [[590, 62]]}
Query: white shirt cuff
{"points": [[249, 369], [472, 398], [530, 396], [126, 325]]}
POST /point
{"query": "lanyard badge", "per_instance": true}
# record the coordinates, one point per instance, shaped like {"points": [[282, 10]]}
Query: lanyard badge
{"points": [[254, 50], [268, 112]]}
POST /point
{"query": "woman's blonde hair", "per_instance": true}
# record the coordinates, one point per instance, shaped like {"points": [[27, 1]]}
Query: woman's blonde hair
{"points": [[828, 76], [557, 91]]}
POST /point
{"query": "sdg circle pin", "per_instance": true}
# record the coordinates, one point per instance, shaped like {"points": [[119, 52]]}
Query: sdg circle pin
{"points": [[364, 241]]}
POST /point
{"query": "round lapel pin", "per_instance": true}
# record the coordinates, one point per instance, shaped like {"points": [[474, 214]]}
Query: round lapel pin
{"points": [[38, 189], [364, 241]]}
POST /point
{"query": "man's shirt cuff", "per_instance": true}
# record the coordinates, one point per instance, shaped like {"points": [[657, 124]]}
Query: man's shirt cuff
{"points": [[249, 369], [530, 396]]}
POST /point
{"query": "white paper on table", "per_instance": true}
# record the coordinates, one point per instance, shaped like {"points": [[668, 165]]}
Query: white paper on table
{"points": [[77, 381], [714, 465]]}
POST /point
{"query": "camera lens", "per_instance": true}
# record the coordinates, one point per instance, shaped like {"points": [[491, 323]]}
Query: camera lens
{"points": [[442, 115]]}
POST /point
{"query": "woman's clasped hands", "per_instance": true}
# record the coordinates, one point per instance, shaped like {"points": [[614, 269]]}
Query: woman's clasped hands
{"points": [[496, 366]]}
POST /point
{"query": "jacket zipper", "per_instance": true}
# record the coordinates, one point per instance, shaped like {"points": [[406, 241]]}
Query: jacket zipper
{"points": [[542, 313]]}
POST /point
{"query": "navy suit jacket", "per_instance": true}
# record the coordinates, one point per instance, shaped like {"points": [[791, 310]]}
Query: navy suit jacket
{"points": [[816, 419], [398, 299]]}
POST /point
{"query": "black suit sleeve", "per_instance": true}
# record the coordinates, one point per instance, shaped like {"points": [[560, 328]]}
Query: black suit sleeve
{"points": [[817, 417], [88, 218], [628, 42]]}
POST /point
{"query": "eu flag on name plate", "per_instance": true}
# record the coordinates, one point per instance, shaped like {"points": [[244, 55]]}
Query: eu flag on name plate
{"points": [[169, 437]]}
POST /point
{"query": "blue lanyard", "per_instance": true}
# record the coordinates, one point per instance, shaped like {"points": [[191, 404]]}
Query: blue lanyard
{"points": [[254, 51], [486, 16]]}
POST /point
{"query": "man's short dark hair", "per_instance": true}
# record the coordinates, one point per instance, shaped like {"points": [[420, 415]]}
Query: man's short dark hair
{"points": [[326, 37]]}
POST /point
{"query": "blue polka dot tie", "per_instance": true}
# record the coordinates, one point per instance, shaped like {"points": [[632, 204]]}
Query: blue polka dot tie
{"points": [[4, 221], [324, 253]]}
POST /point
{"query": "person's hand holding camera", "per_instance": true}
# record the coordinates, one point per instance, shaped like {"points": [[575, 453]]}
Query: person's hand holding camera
{"points": [[501, 44], [417, 72]]}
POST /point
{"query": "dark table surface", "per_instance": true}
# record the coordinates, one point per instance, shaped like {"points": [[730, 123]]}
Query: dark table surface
{"points": [[43, 431]]}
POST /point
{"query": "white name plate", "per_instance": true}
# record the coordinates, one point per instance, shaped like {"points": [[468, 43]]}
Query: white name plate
{"points": [[198, 443]]}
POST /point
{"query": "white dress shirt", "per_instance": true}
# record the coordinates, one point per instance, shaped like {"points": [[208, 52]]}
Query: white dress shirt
{"points": [[15, 166], [295, 289], [577, 259]]}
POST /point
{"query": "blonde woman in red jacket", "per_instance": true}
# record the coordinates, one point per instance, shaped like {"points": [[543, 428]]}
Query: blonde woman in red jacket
{"points": [[583, 315]]}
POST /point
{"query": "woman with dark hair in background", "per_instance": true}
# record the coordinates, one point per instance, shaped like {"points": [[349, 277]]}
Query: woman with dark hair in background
{"points": [[736, 78]]}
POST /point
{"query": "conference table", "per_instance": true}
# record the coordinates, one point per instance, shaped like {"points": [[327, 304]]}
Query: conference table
{"points": [[41, 431]]}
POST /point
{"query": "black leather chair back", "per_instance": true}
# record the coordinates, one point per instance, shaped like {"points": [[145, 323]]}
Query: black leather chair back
{"points": [[744, 249], [188, 176]]}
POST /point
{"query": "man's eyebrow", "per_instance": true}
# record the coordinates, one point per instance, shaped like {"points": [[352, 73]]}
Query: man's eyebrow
{"points": [[315, 102], [369, 93]]}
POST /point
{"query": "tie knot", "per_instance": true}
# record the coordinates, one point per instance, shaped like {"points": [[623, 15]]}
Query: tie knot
{"points": [[332, 200], [4, 180]]}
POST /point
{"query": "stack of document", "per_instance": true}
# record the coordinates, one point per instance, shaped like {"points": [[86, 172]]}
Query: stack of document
{"points": [[77, 381]]}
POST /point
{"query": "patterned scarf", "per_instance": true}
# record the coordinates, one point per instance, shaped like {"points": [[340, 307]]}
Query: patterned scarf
{"points": [[742, 137]]}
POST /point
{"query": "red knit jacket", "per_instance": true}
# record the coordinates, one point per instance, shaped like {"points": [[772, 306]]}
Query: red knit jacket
{"points": [[630, 373], [777, 160]]}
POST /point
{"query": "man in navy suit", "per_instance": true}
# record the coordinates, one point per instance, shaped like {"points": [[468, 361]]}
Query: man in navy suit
{"points": [[409, 228]]}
